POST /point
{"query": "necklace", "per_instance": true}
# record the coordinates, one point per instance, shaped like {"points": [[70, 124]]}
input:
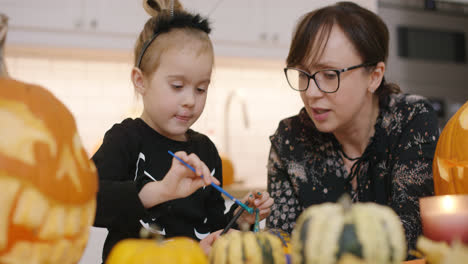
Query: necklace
{"points": [[347, 157]]}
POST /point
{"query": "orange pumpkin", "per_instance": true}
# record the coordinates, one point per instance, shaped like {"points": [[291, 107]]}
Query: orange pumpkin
{"points": [[450, 166], [177, 250], [49, 185]]}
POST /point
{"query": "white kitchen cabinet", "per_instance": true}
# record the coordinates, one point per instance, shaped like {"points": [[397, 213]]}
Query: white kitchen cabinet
{"points": [[247, 28], [233, 23], [281, 17], [107, 16], [241, 28], [88, 24], [256, 28], [44, 14], [116, 16]]}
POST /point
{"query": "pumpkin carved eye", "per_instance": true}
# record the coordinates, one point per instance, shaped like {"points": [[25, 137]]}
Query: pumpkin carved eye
{"points": [[49, 184], [450, 165], [24, 130]]}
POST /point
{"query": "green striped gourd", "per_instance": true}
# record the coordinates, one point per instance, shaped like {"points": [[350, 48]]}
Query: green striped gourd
{"points": [[247, 247], [329, 232]]}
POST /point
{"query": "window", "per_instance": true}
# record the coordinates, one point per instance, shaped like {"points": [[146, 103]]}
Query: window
{"points": [[431, 44]]}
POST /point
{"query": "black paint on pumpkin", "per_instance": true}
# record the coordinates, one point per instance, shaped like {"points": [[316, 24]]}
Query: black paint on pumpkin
{"points": [[389, 243], [267, 252], [244, 258], [349, 242]]}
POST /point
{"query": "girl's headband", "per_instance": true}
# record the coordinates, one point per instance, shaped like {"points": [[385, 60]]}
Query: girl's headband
{"points": [[165, 22]]}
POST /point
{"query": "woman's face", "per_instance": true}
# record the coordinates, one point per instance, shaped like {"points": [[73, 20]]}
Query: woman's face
{"points": [[339, 111]]}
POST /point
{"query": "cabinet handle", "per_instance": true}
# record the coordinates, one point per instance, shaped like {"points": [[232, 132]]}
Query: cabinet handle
{"points": [[78, 23], [275, 38], [93, 24]]}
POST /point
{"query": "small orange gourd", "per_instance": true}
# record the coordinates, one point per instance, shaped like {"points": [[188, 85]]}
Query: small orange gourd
{"points": [[48, 183], [450, 165]]}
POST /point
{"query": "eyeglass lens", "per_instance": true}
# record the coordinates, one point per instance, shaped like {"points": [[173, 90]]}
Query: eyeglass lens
{"points": [[326, 80]]}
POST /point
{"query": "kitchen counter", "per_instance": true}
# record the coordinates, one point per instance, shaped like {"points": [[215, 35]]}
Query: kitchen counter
{"points": [[239, 190]]}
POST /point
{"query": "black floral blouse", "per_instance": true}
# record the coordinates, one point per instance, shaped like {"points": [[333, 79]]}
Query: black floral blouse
{"points": [[305, 166]]}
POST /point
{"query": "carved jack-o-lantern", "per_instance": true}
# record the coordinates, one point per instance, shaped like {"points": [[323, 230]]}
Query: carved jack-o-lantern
{"points": [[450, 166], [48, 184]]}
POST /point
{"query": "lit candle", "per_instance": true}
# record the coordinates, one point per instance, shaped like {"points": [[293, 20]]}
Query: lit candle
{"points": [[445, 218]]}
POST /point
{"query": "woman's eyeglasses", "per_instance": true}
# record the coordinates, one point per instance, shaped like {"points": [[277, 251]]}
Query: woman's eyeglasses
{"points": [[328, 81]]}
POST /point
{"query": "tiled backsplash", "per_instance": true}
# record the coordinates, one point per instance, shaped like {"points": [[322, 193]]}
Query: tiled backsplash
{"points": [[100, 93]]}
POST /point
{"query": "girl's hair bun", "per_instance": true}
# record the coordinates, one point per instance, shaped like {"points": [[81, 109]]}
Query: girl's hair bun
{"points": [[154, 7]]}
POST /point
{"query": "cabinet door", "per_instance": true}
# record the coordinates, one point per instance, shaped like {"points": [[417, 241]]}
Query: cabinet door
{"points": [[44, 14], [253, 28], [233, 22], [282, 17], [118, 17]]}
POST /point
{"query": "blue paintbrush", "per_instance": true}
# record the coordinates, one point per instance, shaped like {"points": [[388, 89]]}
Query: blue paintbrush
{"points": [[248, 209]]}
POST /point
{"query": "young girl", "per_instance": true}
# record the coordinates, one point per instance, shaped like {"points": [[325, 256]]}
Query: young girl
{"points": [[141, 185]]}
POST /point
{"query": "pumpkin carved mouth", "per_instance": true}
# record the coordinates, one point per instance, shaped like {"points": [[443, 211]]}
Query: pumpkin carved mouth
{"points": [[49, 185], [450, 166], [61, 231]]}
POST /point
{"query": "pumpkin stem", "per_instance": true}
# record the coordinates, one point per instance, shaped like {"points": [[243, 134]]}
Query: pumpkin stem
{"points": [[244, 227], [147, 234], [144, 233], [346, 202]]}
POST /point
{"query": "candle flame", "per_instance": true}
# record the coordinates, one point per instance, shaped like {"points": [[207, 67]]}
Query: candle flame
{"points": [[448, 204]]}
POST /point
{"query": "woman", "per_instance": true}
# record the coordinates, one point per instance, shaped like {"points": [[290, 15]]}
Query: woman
{"points": [[356, 134]]}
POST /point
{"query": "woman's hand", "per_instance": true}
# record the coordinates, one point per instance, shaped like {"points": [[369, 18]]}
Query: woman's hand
{"points": [[179, 181], [257, 199], [208, 241]]}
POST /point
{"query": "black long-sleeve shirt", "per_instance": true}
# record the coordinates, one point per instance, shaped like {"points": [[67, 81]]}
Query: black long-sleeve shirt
{"points": [[305, 166], [133, 154]]}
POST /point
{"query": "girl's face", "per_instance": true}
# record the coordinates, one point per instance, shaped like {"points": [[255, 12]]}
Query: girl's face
{"points": [[339, 111], [175, 94]]}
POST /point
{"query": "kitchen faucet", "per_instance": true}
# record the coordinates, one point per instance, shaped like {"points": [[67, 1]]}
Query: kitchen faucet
{"points": [[3, 33], [233, 94]]}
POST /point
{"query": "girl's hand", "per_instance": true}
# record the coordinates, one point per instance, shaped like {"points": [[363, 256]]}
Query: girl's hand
{"points": [[208, 241], [257, 199], [179, 181]]}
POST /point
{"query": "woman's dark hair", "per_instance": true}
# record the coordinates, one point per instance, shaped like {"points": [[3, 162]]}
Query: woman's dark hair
{"points": [[364, 29]]}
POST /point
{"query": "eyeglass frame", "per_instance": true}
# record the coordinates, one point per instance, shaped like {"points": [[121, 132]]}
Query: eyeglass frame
{"points": [[312, 76]]}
